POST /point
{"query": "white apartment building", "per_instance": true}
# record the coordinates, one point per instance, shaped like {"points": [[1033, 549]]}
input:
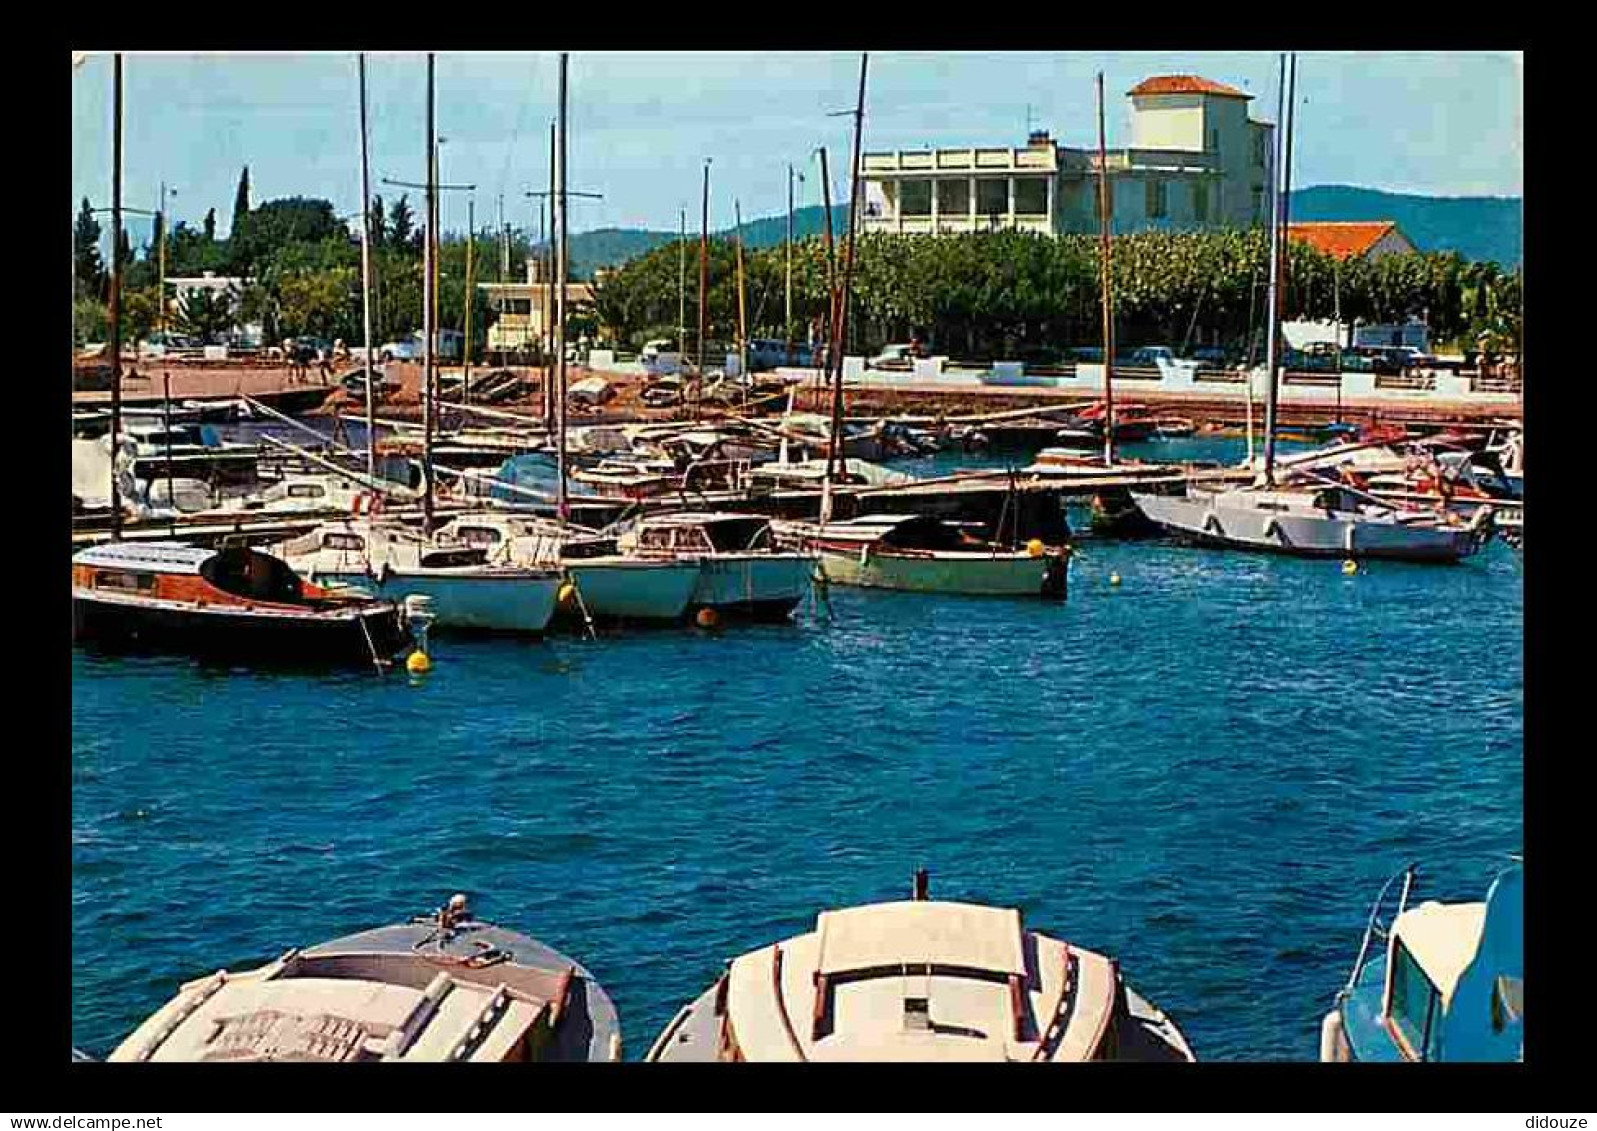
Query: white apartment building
{"points": [[1196, 160]]}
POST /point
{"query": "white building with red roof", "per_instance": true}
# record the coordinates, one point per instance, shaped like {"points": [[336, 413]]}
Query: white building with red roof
{"points": [[1196, 160], [1353, 239]]}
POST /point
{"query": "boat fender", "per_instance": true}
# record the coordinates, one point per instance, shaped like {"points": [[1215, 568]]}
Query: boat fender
{"points": [[1211, 525], [1334, 1048], [1272, 529]]}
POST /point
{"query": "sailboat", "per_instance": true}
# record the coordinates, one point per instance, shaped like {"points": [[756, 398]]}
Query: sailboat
{"points": [[920, 553], [1308, 515]]}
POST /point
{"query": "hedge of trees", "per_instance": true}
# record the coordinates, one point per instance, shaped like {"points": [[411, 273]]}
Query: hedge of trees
{"points": [[303, 266], [1018, 294]]}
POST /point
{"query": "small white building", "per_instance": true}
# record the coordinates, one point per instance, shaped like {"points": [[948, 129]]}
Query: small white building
{"points": [[1196, 160], [522, 313], [182, 286]]}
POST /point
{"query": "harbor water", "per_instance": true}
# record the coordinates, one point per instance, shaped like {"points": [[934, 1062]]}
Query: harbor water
{"points": [[1206, 771]]}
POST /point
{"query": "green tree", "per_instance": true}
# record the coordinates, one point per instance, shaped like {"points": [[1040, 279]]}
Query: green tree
{"points": [[241, 203], [401, 224], [378, 231], [207, 314], [87, 269]]}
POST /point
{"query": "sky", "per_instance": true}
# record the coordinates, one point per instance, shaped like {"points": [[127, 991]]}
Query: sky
{"points": [[641, 124]]}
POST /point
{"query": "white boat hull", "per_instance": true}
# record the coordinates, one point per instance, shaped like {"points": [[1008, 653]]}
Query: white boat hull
{"points": [[512, 601], [635, 589], [1003, 575], [1251, 528]]}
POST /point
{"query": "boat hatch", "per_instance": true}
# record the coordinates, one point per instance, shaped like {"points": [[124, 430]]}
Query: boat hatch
{"points": [[248, 573]]}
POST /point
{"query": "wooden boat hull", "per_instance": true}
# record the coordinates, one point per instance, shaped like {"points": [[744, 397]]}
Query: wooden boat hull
{"points": [[970, 574], [310, 637], [463, 601], [1301, 535]]}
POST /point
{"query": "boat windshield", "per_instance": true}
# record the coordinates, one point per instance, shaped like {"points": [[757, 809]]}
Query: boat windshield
{"points": [[1415, 1004]]}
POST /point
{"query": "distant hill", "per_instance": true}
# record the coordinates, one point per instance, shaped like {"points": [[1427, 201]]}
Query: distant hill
{"points": [[607, 247], [1477, 227]]}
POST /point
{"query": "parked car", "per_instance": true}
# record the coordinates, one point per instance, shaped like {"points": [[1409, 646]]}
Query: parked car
{"points": [[451, 345], [768, 353]]}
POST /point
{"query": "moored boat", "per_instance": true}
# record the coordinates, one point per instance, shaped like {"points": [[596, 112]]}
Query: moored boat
{"points": [[443, 988], [1448, 985], [468, 592], [742, 572], [235, 603], [920, 980], [610, 585], [923, 554], [1323, 520]]}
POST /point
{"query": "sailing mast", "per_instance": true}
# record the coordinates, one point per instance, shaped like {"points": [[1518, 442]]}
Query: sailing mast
{"points": [[1278, 295], [562, 507], [704, 279], [366, 277], [428, 329], [787, 323], [831, 267], [1105, 216], [116, 289], [682, 289], [743, 310], [834, 454], [465, 347], [549, 296]]}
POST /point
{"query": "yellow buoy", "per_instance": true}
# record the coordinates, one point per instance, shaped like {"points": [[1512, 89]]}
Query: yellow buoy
{"points": [[567, 591], [707, 618], [1350, 567], [417, 663], [1114, 579], [1035, 547]]}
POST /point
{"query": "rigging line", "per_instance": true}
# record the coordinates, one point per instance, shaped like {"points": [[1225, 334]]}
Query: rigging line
{"points": [[521, 122]]}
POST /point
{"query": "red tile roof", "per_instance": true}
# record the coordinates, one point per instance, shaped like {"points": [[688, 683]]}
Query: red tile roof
{"points": [[1186, 84], [1342, 239]]}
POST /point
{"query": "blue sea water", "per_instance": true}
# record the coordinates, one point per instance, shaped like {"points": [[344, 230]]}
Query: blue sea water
{"points": [[1206, 771]]}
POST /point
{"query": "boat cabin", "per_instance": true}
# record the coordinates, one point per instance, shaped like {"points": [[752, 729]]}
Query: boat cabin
{"points": [[416, 992], [702, 533], [178, 572], [906, 532], [923, 981]]}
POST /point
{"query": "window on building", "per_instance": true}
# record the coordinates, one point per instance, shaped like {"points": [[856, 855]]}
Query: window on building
{"points": [[1200, 202], [1031, 196], [992, 197], [953, 197], [1157, 203], [915, 198]]}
